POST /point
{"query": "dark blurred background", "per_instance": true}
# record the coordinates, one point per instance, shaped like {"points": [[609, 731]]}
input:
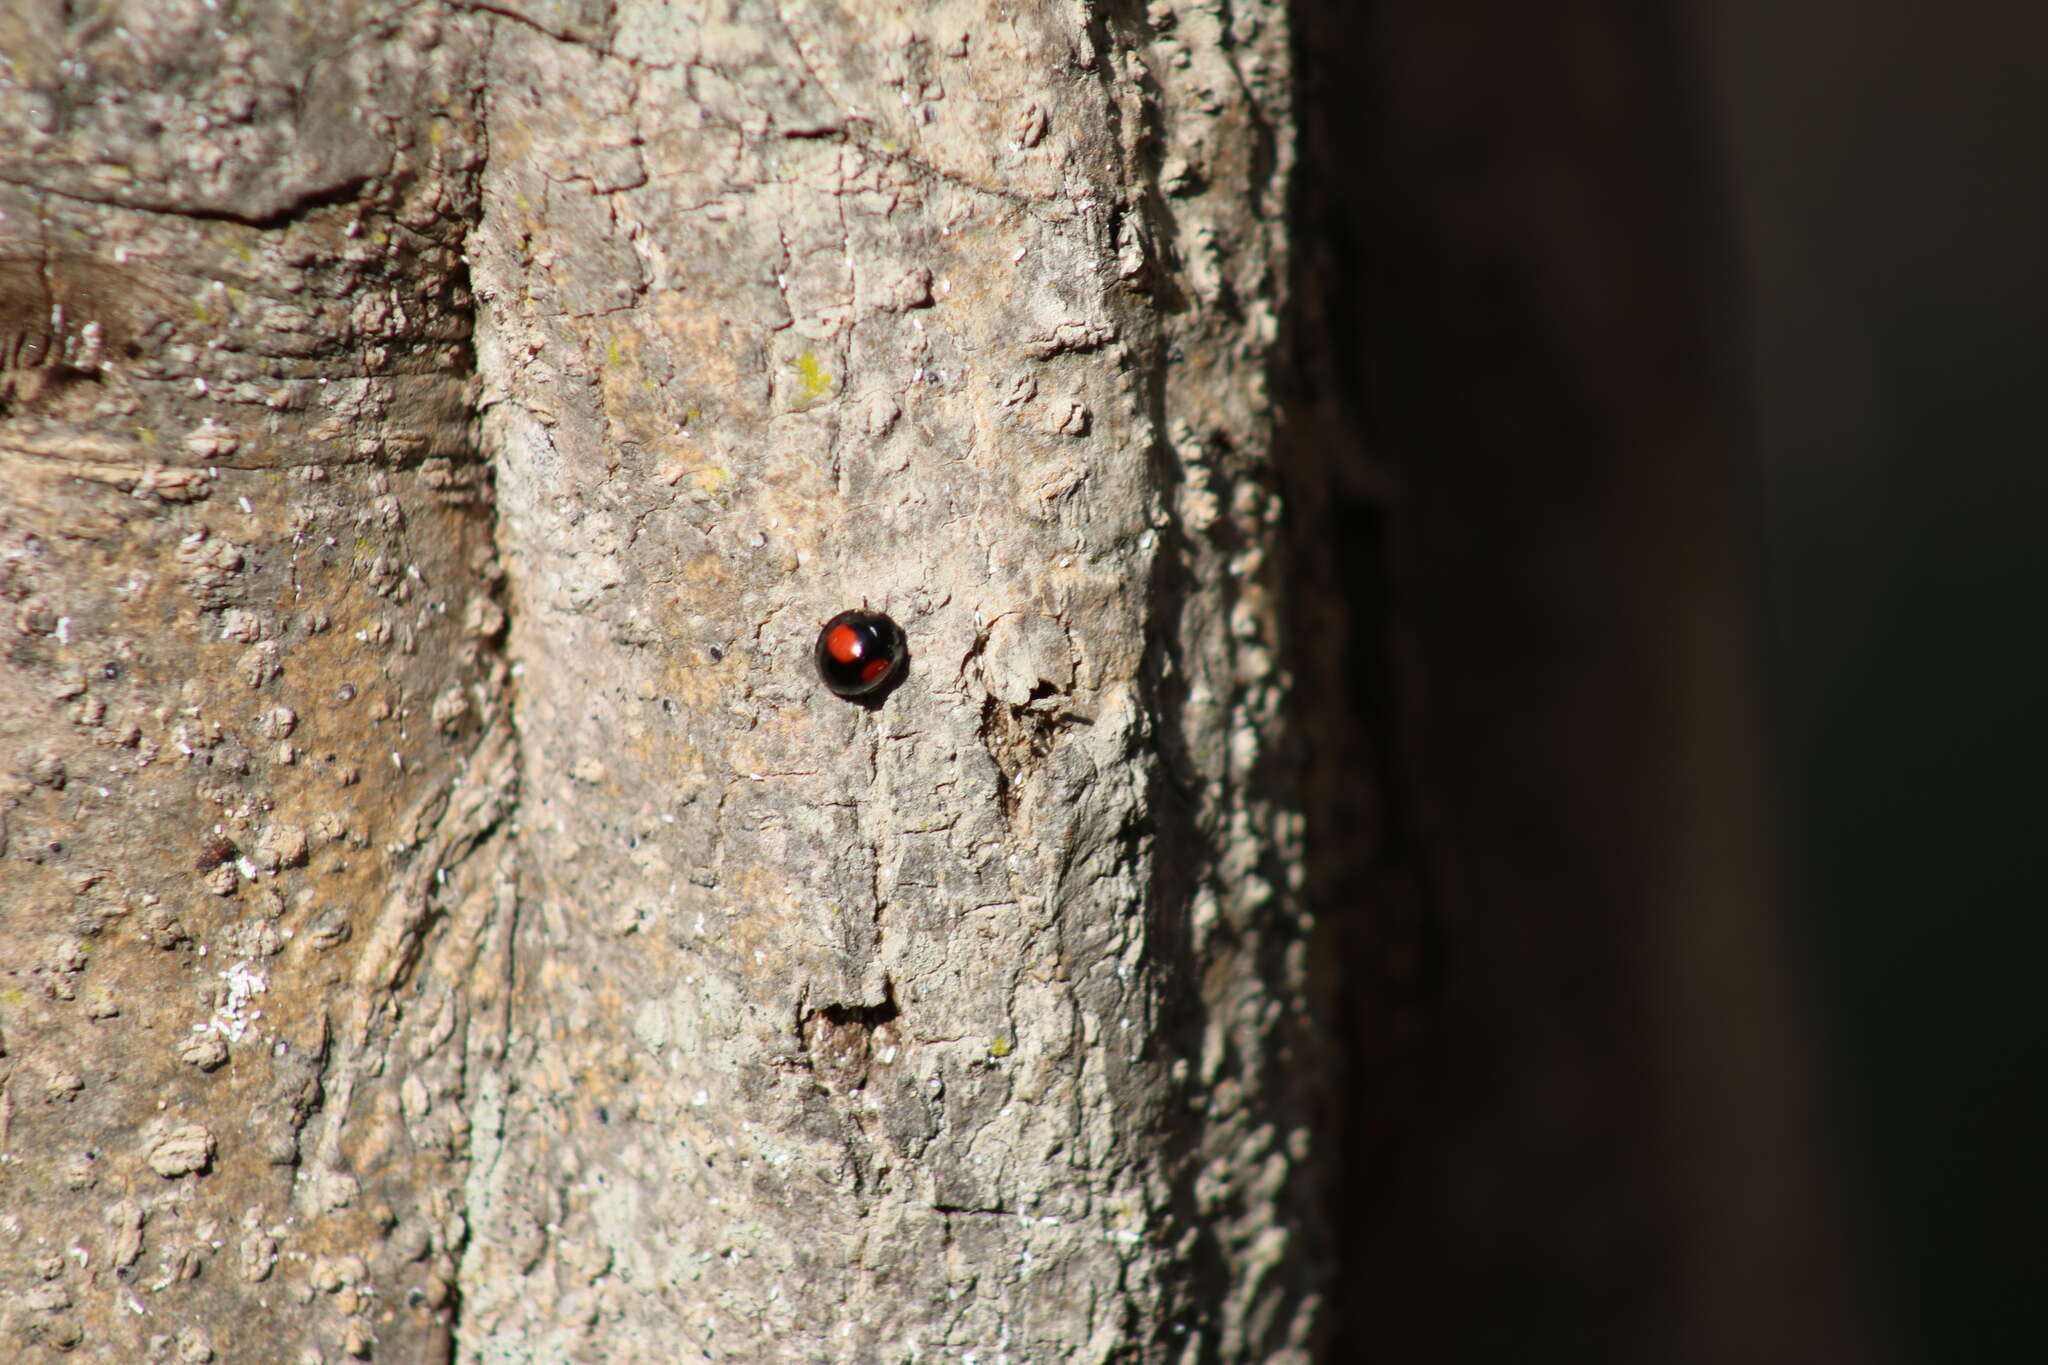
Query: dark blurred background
{"points": [[1673, 440]]}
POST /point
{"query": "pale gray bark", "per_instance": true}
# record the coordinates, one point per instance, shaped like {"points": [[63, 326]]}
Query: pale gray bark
{"points": [[948, 1024], [769, 1025]]}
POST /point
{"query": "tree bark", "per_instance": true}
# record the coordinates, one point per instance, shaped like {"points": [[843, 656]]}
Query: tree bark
{"points": [[951, 1022], [254, 724], [765, 1024]]}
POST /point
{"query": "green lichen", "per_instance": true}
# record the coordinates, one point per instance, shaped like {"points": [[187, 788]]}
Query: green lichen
{"points": [[812, 381]]}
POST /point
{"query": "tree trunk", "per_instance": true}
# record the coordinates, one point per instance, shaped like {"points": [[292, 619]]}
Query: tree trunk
{"points": [[765, 1024], [253, 721]]}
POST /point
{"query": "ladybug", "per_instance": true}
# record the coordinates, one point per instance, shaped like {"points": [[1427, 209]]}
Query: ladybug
{"points": [[860, 652]]}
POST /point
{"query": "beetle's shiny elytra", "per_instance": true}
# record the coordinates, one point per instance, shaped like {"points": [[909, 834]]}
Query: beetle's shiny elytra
{"points": [[859, 653]]}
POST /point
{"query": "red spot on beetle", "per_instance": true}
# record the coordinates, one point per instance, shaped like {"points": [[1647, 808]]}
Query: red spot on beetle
{"points": [[843, 643]]}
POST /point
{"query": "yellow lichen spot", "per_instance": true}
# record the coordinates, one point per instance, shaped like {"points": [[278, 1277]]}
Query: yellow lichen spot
{"points": [[812, 381], [710, 481], [145, 435], [437, 132], [1000, 1047], [199, 313], [613, 354]]}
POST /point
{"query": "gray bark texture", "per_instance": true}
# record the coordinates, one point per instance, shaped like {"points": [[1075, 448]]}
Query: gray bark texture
{"points": [[441, 911]]}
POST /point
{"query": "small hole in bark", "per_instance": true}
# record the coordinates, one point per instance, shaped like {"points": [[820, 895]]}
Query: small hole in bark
{"points": [[866, 1016], [839, 1040]]}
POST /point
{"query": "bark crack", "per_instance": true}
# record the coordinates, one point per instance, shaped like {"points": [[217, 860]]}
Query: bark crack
{"points": [[292, 211]]}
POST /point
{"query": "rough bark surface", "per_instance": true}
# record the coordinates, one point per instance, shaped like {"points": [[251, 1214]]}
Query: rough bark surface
{"points": [[251, 720], [951, 1026], [768, 1025]]}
